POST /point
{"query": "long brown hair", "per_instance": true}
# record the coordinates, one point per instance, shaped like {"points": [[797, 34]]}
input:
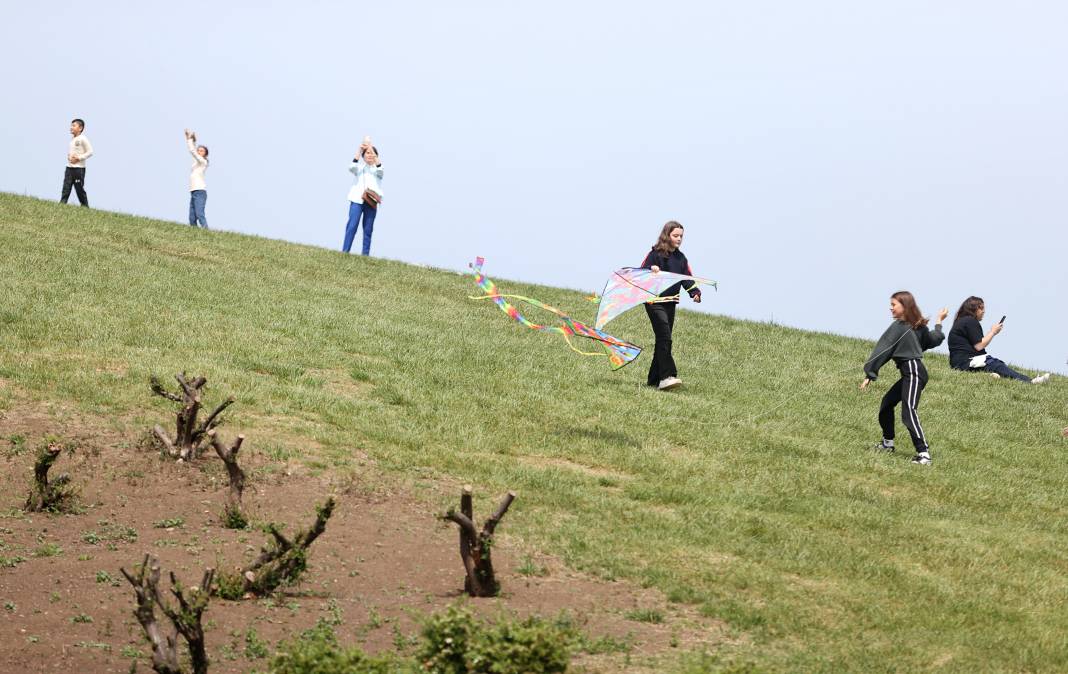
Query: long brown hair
{"points": [[969, 307], [663, 244], [912, 312]]}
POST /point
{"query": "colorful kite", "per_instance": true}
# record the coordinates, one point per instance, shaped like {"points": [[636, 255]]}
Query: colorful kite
{"points": [[619, 352], [631, 286]]}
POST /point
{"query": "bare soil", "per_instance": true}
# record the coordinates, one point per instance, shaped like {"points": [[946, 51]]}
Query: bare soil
{"points": [[386, 558]]}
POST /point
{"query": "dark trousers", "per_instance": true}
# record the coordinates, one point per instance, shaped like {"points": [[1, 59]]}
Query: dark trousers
{"points": [[907, 392], [999, 366], [662, 316], [74, 177], [198, 199], [355, 212]]}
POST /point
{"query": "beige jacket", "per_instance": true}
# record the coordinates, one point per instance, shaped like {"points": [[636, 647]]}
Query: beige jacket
{"points": [[81, 149]]}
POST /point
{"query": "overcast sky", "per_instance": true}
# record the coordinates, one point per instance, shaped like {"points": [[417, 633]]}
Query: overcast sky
{"points": [[821, 155]]}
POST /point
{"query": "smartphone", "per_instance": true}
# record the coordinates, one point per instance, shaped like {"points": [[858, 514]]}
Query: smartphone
{"points": [[1002, 321]]}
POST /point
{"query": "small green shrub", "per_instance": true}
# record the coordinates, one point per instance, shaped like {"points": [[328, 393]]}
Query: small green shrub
{"points": [[455, 642], [110, 532], [48, 550], [316, 650], [529, 646], [169, 523], [18, 444], [255, 646], [230, 586], [233, 518]]}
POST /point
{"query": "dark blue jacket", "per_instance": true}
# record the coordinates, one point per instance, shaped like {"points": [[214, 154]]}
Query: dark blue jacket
{"points": [[676, 263]]}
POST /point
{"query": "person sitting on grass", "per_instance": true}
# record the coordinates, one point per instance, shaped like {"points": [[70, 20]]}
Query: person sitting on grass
{"points": [[967, 344]]}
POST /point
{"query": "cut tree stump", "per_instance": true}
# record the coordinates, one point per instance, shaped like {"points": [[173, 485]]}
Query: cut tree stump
{"points": [[475, 546], [234, 515], [48, 495], [281, 561], [185, 620], [190, 437]]}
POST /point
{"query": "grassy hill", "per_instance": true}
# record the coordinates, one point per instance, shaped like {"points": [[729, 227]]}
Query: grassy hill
{"points": [[750, 492]]}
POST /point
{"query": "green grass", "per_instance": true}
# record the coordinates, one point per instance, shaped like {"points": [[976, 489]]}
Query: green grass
{"points": [[749, 492]]}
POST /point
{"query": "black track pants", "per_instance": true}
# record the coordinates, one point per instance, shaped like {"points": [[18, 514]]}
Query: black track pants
{"points": [[74, 177], [907, 392], [662, 316]]}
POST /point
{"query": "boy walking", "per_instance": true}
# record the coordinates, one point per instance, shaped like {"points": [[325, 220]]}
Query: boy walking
{"points": [[80, 150]]}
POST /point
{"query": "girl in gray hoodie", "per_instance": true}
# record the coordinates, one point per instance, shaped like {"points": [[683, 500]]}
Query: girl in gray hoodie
{"points": [[904, 341]]}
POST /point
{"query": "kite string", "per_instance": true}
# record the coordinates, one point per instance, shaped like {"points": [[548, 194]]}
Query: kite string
{"points": [[698, 281]]}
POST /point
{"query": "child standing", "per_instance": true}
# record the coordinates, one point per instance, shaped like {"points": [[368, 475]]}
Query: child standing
{"points": [[905, 341], [198, 186], [80, 149], [364, 195], [666, 256]]}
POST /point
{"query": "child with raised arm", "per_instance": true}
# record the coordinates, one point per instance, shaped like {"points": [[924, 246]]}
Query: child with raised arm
{"points": [[198, 186], [904, 341], [364, 195]]}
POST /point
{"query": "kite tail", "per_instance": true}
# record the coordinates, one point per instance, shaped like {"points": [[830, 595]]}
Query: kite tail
{"points": [[619, 352]]}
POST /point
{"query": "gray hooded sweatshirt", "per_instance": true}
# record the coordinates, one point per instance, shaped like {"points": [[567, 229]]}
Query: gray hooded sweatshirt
{"points": [[901, 342]]}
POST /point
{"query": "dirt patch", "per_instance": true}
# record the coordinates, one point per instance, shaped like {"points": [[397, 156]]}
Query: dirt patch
{"points": [[385, 559]]}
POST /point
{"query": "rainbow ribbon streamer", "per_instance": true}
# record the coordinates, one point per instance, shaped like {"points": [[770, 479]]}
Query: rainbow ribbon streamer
{"points": [[619, 352]]}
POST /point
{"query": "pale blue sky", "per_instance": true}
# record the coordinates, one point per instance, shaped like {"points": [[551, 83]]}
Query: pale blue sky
{"points": [[821, 155]]}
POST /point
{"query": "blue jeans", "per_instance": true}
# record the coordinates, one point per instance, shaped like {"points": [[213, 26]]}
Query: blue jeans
{"points": [[999, 366], [355, 211], [197, 200]]}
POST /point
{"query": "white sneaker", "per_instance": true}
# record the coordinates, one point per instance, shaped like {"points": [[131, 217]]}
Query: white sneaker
{"points": [[995, 375], [669, 383], [1041, 379]]}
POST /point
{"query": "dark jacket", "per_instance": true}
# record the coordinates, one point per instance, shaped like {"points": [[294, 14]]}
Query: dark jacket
{"points": [[902, 343], [675, 263], [963, 336]]}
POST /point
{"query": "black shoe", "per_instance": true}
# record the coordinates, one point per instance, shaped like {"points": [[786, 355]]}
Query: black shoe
{"points": [[881, 446], [922, 459]]}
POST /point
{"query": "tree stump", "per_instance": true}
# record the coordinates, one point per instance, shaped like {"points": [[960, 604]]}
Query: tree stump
{"points": [[185, 620], [475, 546], [281, 561], [190, 437], [234, 515], [48, 495]]}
